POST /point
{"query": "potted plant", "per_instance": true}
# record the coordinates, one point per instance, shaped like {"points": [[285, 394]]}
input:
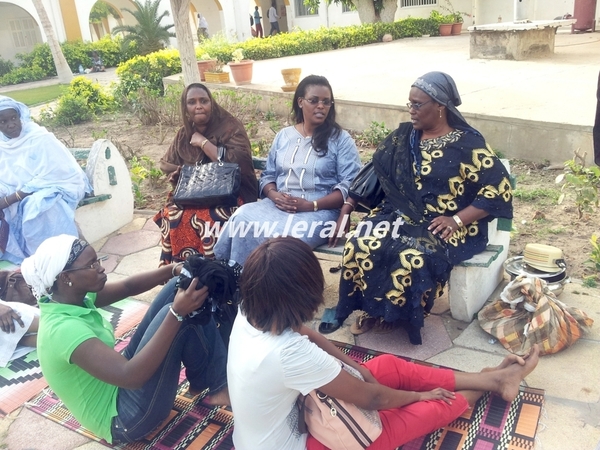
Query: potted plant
{"points": [[217, 75], [444, 22], [206, 63], [241, 69], [456, 17]]}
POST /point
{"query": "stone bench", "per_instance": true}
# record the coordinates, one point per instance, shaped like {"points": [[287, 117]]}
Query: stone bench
{"points": [[514, 40], [472, 281], [111, 205]]}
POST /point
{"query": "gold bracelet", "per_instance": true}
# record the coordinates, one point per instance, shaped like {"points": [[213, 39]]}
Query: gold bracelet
{"points": [[316, 207], [458, 221], [351, 205], [203, 143], [267, 193], [6, 201], [18, 196]]}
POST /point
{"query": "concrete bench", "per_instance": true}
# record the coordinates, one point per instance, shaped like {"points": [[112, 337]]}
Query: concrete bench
{"points": [[111, 205], [472, 281], [514, 40]]}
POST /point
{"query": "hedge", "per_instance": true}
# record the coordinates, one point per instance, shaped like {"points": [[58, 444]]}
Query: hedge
{"points": [[38, 64], [148, 71]]}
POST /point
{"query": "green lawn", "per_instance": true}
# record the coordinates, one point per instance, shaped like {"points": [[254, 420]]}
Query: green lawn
{"points": [[36, 96]]}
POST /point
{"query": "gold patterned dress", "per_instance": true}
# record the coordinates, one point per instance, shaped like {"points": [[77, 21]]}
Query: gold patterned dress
{"points": [[395, 269]]}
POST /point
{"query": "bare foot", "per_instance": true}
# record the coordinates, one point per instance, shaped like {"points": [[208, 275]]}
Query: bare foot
{"points": [[220, 398], [511, 376], [507, 361]]}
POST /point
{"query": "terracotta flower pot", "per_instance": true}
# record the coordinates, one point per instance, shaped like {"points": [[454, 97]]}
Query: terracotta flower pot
{"points": [[242, 71], [456, 28], [445, 29], [207, 65], [216, 77], [291, 77]]}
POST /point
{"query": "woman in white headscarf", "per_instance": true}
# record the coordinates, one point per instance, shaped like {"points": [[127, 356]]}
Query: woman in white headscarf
{"points": [[40, 184], [119, 397]]}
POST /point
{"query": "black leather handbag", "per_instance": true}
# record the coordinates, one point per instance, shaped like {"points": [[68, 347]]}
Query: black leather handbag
{"points": [[366, 189], [209, 185]]}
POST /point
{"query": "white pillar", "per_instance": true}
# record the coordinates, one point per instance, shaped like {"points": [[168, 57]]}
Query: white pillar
{"points": [[520, 12]]}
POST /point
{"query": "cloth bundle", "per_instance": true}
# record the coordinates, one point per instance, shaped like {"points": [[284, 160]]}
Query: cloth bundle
{"points": [[529, 313]]}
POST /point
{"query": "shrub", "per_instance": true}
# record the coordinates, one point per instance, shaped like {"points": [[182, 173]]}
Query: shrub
{"points": [[5, 66], [147, 71], [152, 109], [22, 75], [82, 102], [71, 110]]}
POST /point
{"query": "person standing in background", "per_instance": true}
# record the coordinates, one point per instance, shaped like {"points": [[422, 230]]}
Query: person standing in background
{"points": [[596, 132], [273, 17], [257, 24], [202, 28]]}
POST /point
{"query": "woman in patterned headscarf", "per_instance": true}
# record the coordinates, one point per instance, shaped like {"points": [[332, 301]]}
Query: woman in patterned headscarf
{"points": [[40, 184], [443, 184]]}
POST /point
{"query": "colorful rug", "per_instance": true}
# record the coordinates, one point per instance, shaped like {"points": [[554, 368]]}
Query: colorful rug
{"points": [[22, 379], [492, 425]]}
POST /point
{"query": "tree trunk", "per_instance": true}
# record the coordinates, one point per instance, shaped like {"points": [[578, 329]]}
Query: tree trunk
{"points": [[366, 11], [62, 68], [388, 12], [185, 41]]}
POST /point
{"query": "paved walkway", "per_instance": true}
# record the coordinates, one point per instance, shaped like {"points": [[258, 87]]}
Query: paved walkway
{"points": [[558, 89]]}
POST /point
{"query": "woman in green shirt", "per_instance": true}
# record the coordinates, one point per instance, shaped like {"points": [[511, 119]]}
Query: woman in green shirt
{"points": [[119, 397]]}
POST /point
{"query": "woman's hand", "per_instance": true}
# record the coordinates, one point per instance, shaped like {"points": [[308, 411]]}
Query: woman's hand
{"points": [[445, 226], [190, 299], [437, 394], [8, 316], [341, 228], [366, 374], [174, 176], [197, 139], [290, 204]]}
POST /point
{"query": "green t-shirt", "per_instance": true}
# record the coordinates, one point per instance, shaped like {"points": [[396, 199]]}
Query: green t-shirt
{"points": [[62, 329]]}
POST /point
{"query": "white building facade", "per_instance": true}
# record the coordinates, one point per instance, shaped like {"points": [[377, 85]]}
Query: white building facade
{"points": [[20, 27]]}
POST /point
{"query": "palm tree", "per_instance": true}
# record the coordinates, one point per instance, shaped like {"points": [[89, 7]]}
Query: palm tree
{"points": [[65, 75], [149, 35]]}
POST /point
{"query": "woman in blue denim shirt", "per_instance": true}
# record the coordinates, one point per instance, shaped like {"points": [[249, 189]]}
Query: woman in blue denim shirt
{"points": [[309, 170]]}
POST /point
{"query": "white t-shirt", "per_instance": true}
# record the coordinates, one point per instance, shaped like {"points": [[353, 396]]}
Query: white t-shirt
{"points": [[273, 14], [265, 374]]}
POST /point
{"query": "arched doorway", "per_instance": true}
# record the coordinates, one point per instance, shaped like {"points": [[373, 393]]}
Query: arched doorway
{"points": [[104, 16], [19, 31]]}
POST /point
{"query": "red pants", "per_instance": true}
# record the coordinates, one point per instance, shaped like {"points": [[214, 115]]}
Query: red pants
{"points": [[402, 425]]}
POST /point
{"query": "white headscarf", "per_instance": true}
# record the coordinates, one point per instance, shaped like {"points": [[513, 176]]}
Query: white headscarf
{"points": [[24, 115], [41, 269]]}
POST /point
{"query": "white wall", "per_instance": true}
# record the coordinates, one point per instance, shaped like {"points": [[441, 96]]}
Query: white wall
{"points": [[23, 41]]}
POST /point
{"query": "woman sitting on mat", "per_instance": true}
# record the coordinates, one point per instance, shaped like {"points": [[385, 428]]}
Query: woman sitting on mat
{"points": [[119, 397], [205, 126], [442, 185], [309, 169], [40, 184], [273, 358]]}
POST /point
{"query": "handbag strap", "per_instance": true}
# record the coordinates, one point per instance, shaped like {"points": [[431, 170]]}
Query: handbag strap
{"points": [[221, 150]]}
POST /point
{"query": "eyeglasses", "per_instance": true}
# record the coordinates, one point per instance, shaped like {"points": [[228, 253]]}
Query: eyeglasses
{"points": [[417, 106], [95, 265], [314, 100]]}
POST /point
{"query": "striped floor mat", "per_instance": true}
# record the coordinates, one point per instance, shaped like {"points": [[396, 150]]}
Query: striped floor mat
{"points": [[492, 425], [22, 379]]}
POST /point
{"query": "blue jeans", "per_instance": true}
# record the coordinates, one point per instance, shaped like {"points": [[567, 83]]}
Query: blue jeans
{"points": [[199, 348]]}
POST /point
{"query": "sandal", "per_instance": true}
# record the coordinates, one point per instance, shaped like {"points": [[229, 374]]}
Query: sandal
{"points": [[363, 323], [383, 327]]}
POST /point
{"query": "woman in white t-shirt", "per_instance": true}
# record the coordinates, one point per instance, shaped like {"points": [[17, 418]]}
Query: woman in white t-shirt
{"points": [[273, 358]]}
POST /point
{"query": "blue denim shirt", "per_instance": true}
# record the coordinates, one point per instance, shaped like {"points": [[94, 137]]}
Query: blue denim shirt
{"points": [[298, 170]]}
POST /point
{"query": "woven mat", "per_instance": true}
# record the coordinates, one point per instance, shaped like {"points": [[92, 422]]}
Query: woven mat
{"points": [[22, 379], [492, 425]]}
